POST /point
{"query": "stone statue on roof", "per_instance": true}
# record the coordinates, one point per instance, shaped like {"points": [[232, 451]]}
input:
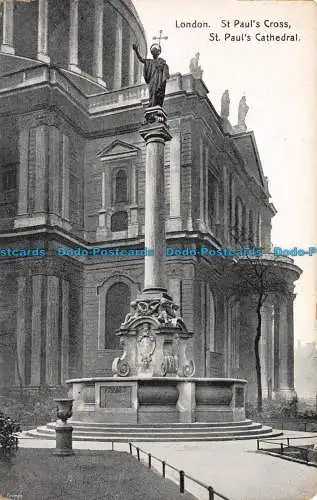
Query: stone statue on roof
{"points": [[194, 67]]}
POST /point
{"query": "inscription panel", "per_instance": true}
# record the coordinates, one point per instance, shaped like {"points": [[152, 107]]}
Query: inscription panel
{"points": [[116, 396]]}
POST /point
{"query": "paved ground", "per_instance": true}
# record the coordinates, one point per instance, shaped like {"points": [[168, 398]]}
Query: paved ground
{"points": [[233, 468]]}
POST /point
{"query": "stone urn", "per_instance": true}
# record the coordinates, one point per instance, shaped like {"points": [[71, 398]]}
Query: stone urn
{"points": [[64, 409], [64, 446]]}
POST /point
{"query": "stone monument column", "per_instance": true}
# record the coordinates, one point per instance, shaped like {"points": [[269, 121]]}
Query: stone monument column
{"points": [[154, 338], [155, 133]]}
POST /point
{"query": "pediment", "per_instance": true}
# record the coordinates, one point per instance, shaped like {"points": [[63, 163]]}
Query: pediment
{"points": [[117, 150], [246, 144]]}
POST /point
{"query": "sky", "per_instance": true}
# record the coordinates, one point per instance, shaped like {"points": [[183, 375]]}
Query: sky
{"points": [[279, 79]]}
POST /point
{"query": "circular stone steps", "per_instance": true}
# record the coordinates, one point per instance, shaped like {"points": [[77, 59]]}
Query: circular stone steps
{"points": [[217, 431]]}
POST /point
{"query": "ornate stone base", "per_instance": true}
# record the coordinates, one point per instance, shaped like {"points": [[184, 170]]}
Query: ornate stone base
{"points": [[134, 400], [154, 338]]}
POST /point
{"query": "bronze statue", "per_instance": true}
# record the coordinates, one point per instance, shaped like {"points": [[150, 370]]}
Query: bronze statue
{"points": [[155, 74]]}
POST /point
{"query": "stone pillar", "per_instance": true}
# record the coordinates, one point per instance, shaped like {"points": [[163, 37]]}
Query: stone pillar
{"points": [[206, 194], [117, 75], [42, 34], [131, 60], [284, 383], [232, 214], [202, 184], [73, 36], [7, 28], [37, 327], [98, 42], [204, 329], [226, 215], [52, 331], [21, 330], [175, 221], [155, 135], [65, 177], [65, 331]]}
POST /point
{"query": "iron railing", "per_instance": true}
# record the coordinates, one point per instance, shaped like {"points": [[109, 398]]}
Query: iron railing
{"points": [[212, 493], [285, 446]]}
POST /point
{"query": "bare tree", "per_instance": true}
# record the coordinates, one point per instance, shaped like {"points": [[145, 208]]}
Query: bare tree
{"points": [[256, 276]]}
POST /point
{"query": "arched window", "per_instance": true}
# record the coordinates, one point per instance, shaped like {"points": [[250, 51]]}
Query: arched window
{"points": [[119, 221], [238, 220], [117, 306], [121, 188]]}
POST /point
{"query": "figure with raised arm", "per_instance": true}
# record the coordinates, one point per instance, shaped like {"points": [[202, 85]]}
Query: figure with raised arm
{"points": [[155, 73]]}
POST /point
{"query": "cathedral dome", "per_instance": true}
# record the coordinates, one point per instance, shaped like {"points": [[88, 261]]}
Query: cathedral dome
{"points": [[90, 39]]}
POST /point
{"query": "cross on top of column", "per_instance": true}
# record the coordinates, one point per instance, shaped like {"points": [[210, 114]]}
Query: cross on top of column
{"points": [[160, 37]]}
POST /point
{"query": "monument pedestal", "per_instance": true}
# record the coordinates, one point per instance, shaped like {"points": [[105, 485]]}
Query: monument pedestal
{"points": [[153, 380]]}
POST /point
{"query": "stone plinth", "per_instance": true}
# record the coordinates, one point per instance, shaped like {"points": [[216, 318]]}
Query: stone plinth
{"points": [[158, 399]]}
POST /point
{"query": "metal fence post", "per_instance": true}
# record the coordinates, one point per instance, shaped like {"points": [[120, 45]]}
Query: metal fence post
{"points": [[138, 453], [163, 468], [211, 493], [282, 448], [181, 481], [130, 446], [150, 456], [112, 445], [257, 444]]}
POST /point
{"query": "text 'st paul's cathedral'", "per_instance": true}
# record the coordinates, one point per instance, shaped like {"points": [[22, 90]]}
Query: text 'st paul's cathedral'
{"points": [[72, 176]]}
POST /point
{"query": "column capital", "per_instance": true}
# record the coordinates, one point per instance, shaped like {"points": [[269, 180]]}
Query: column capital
{"points": [[155, 128]]}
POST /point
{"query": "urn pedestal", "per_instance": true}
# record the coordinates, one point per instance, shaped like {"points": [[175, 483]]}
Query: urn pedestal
{"points": [[64, 431]]}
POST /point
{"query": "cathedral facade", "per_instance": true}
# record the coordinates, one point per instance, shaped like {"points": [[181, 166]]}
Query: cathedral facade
{"points": [[72, 182]]}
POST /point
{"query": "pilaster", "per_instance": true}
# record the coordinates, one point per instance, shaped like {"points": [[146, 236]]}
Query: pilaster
{"points": [[52, 331], [65, 331], [21, 330], [174, 222]]}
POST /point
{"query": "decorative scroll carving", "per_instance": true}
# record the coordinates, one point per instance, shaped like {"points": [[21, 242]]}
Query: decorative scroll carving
{"points": [[120, 366], [161, 309]]}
